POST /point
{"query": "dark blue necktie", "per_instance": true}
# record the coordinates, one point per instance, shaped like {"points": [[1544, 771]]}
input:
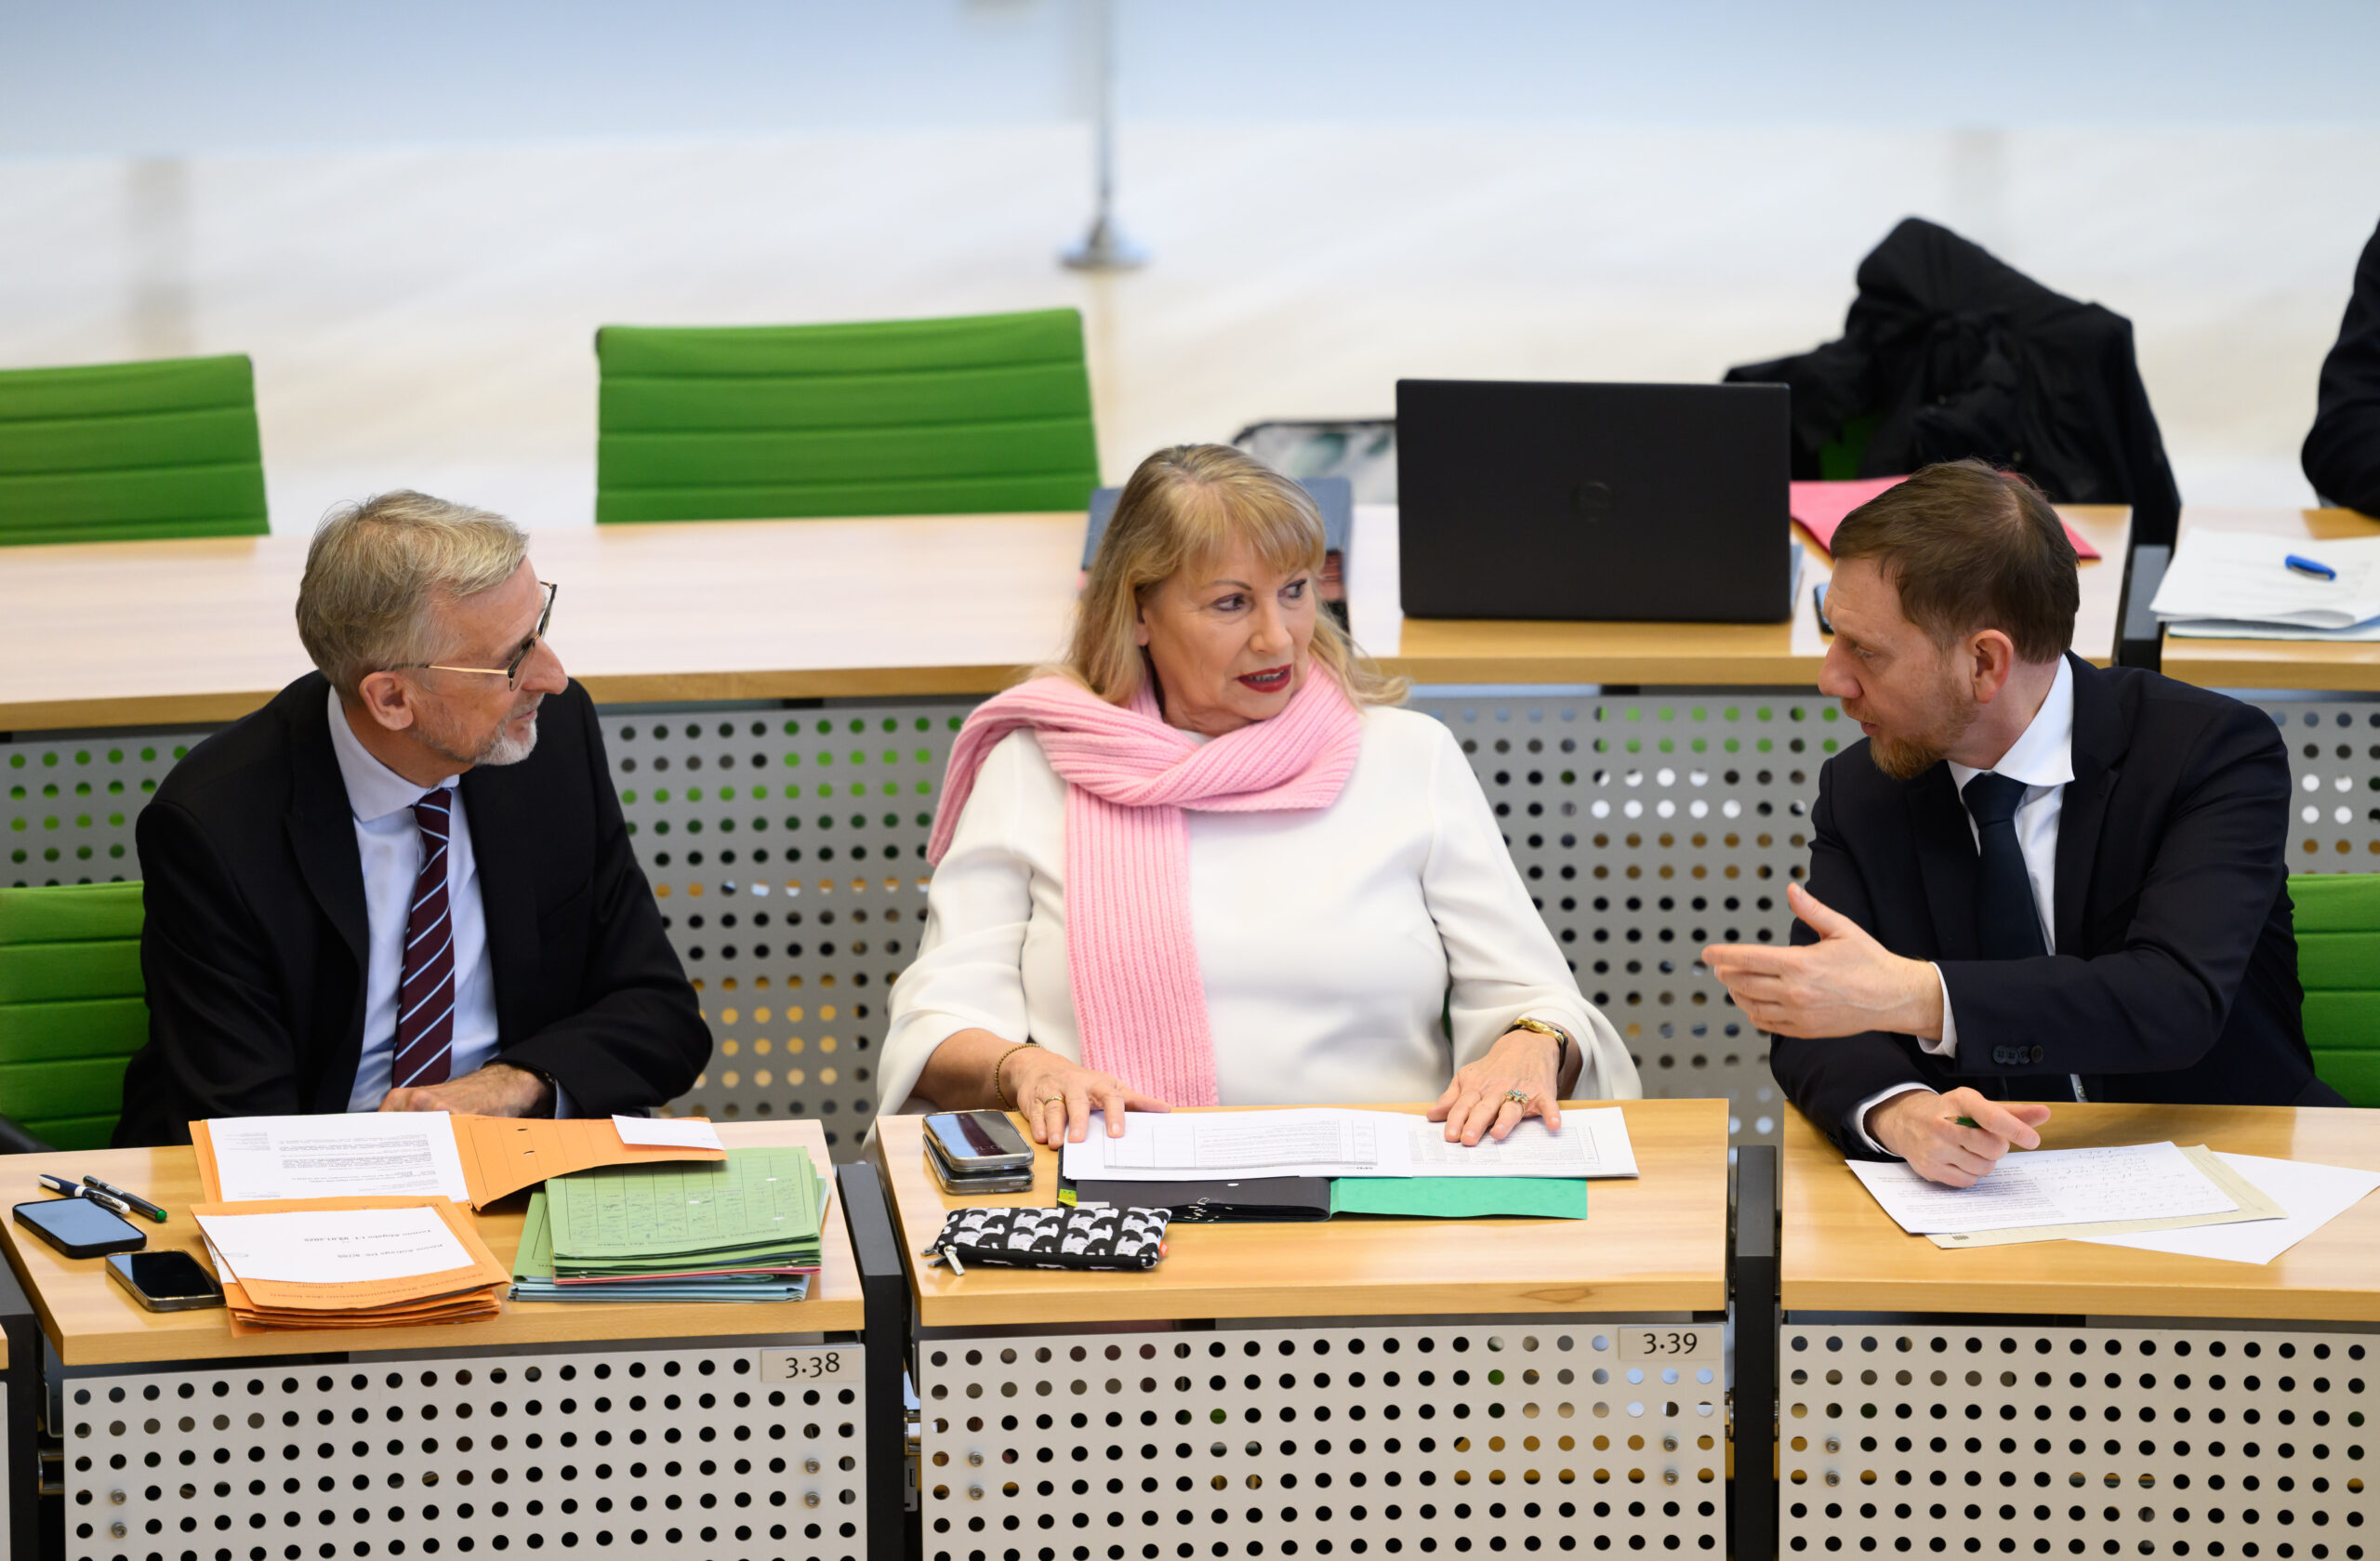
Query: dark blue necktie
{"points": [[2006, 921]]}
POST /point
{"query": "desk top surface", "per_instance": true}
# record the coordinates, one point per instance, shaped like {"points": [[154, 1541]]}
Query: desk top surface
{"points": [[2276, 663], [91, 1319], [1839, 1251], [1654, 1244], [201, 631]]}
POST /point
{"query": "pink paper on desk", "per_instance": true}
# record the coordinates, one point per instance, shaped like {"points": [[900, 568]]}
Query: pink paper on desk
{"points": [[1821, 506]]}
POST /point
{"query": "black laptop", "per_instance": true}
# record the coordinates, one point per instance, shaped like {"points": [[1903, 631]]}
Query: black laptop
{"points": [[1522, 499]]}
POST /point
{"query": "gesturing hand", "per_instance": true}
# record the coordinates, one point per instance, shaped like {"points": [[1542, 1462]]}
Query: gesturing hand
{"points": [[1521, 1061], [1844, 983], [1922, 1128], [1057, 1096]]}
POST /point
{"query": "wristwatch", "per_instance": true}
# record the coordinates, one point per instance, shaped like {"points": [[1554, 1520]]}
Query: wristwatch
{"points": [[1562, 1041]]}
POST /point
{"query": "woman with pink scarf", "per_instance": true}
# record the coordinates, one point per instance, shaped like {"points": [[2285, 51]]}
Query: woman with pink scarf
{"points": [[1208, 861]]}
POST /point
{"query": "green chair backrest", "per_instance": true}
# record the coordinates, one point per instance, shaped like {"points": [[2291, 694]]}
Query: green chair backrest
{"points": [[126, 452], [72, 1007], [2338, 964], [977, 415]]}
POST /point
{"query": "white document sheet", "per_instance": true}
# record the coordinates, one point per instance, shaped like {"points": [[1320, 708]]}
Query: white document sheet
{"points": [[1331, 1140], [2049, 1187], [366, 1154], [328, 1247], [2314, 1195], [2243, 575], [667, 1133]]}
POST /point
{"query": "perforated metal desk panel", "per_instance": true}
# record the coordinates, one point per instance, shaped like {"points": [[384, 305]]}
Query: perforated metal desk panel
{"points": [[2060, 1399], [726, 1430], [1349, 1387]]}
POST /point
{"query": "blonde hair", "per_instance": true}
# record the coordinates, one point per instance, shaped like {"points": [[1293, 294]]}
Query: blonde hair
{"points": [[1183, 505], [377, 570]]}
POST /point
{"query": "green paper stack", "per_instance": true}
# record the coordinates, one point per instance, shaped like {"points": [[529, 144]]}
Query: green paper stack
{"points": [[745, 1228]]}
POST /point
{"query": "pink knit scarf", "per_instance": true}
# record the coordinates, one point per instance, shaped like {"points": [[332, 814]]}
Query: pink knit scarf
{"points": [[1129, 951]]}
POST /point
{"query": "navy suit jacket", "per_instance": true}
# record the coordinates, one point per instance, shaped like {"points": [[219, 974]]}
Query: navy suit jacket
{"points": [[2176, 972], [254, 943]]}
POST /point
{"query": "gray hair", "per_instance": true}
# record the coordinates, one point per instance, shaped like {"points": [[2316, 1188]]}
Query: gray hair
{"points": [[377, 570]]}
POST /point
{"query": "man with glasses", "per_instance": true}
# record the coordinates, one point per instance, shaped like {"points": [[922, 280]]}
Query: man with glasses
{"points": [[405, 884]]}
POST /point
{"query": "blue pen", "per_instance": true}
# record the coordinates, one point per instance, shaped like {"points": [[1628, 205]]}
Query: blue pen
{"points": [[2308, 566]]}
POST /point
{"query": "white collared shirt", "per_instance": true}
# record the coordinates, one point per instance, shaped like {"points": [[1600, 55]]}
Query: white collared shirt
{"points": [[389, 842], [2043, 756]]}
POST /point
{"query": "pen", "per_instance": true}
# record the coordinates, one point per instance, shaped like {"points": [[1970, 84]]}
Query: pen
{"points": [[108, 1201], [2309, 566], [1964, 1122], [131, 1201]]}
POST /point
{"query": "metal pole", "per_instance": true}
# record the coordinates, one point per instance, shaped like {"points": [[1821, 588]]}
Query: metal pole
{"points": [[1105, 247]]}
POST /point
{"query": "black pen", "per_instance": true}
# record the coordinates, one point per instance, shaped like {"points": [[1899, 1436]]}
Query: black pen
{"points": [[131, 1201]]}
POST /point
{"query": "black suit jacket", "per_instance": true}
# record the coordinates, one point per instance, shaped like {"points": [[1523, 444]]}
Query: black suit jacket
{"points": [[254, 945], [2342, 451], [2175, 975]]}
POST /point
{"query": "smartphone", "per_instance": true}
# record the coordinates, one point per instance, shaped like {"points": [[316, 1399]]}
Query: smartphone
{"points": [[166, 1281], [79, 1227], [970, 1183], [976, 1141]]}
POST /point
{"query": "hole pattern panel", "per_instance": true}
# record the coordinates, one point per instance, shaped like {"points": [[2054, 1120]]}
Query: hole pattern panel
{"points": [[2221, 1444], [788, 850], [655, 1452], [1647, 827], [1518, 1435], [2334, 769], [67, 804]]}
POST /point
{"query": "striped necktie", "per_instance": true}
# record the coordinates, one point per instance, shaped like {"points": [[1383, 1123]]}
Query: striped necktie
{"points": [[425, 990]]}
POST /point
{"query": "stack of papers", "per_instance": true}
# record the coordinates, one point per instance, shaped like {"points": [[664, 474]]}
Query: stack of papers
{"points": [[350, 1262], [1334, 1141], [2157, 1197], [744, 1229], [2239, 586]]}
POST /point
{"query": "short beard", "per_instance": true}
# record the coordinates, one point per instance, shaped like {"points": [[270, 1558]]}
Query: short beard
{"points": [[500, 749], [1907, 757]]}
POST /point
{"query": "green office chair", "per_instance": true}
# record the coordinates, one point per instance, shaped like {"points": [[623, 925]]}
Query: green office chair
{"points": [[2338, 964], [126, 452], [976, 414], [72, 1011]]}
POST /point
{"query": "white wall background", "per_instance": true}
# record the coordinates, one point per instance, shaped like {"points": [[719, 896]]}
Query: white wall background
{"points": [[414, 217]]}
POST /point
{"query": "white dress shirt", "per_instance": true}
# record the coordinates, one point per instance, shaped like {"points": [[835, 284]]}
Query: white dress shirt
{"points": [[2043, 756], [1329, 940], [389, 843]]}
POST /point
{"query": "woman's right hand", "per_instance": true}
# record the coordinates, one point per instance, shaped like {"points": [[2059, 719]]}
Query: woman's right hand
{"points": [[1056, 1097]]}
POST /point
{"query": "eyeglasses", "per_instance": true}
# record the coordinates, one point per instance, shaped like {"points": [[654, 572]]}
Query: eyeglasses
{"points": [[510, 671]]}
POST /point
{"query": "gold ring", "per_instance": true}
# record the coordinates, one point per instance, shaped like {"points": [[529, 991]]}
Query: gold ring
{"points": [[1518, 1097], [1053, 1099]]}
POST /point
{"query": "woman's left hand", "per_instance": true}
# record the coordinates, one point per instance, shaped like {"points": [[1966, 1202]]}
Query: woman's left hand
{"points": [[1479, 1101]]}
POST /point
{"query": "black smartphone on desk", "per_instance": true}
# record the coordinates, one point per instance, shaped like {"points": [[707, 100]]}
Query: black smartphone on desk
{"points": [[978, 1152], [79, 1227], [170, 1282]]}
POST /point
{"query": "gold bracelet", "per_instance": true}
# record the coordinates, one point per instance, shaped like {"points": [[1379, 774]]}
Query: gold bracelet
{"points": [[999, 1094], [1562, 1041]]}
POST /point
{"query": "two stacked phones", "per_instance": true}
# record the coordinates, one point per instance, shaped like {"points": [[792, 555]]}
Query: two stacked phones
{"points": [[978, 1152]]}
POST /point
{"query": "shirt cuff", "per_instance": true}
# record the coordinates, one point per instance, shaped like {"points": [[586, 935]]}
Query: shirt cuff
{"points": [[1859, 1115], [562, 1101], [1948, 1045]]}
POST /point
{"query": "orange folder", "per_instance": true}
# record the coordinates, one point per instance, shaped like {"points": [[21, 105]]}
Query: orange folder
{"points": [[502, 1154], [452, 1295]]}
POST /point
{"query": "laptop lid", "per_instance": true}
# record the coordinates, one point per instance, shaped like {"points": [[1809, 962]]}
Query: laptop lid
{"points": [[1593, 502]]}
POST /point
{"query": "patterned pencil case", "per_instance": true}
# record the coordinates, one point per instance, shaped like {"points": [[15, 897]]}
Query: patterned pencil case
{"points": [[1102, 1236]]}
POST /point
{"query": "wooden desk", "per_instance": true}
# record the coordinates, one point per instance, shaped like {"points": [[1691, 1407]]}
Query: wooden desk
{"points": [[1842, 1253], [2048, 1377], [664, 1428], [195, 631], [1654, 1244], [1262, 1375], [2313, 664], [91, 1320]]}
